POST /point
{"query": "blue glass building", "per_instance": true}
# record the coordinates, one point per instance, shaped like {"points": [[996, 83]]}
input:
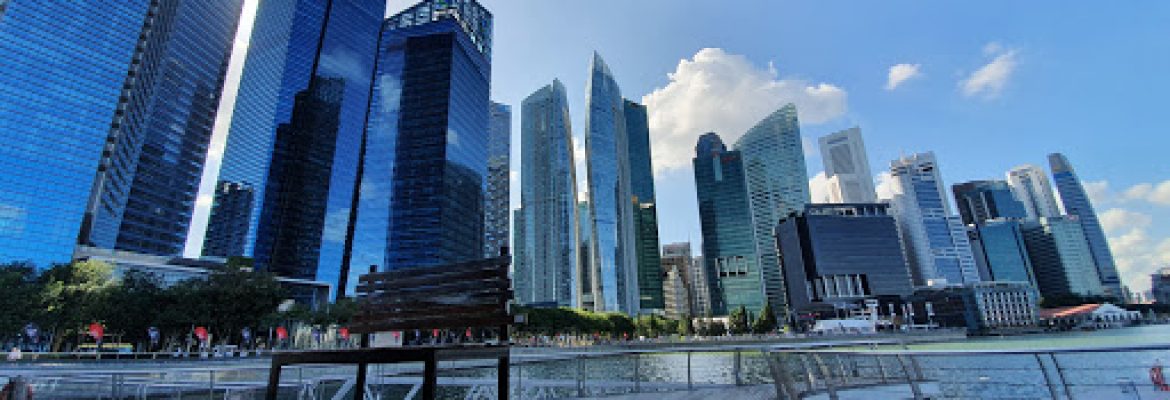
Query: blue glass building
{"points": [[496, 210], [610, 199], [296, 135], [980, 201], [425, 158], [935, 240], [1076, 203], [1000, 251], [548, 200], [841, 253], [107, 107], [650, 290], [729, 247]]}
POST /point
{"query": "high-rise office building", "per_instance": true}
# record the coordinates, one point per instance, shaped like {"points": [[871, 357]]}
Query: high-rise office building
{"points": [[650, 290], [841, 253], [1160, 286], [588, 275], [233, 205], [1061, 258], [548, 199], [675, 294], [520, 271], [425, 158], [980, 201], [296, 136], [495, 212], [729, 241], [1000, 251], [677, 257], [108, 106], [611, 202], [847, 167], [935, 240], [1031, 186], [1076, 203], [777, 184]]}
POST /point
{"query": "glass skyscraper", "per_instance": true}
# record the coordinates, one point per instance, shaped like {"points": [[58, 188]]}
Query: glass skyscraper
{"points": [[296, 135], [107, 107], [847, 168], [425, 158], [1061, 258], [729, 244], [650, 289], [777, 183], [935, 240], [588, 276], [1031, 186], [496, 210], [548, 200], [980, 201], [1000, 251], [1076, 203], [610, 197]]}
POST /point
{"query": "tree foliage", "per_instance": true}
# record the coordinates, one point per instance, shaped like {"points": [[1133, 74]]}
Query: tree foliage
{"points": [[767, 320], [738, 321]]}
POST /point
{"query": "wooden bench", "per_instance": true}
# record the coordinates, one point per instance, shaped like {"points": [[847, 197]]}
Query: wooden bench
{"points": [[448, 297]]}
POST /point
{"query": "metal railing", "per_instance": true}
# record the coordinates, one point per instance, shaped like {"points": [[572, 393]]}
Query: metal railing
{"points": [[1091, 373]]}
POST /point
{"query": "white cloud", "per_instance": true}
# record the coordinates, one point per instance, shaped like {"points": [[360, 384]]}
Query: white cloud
{"points": [[1098, 192], [818, 188], [809, 146], [989, 80], [1158, 193], [715, 91], [885, 185], [1118, 220], [1138, 255], [901, 73]]}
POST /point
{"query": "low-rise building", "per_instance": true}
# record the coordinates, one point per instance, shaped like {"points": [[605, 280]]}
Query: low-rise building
{"points": [[1088, 316], [1160, 286], [983, 307]]}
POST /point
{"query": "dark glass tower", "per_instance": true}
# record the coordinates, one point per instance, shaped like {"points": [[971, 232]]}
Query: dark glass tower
{"points": [[296, 135], [650, 293], [108, 107], [495, 215], [424, 172], [729, 248], [1076, 202], [980, 201]]}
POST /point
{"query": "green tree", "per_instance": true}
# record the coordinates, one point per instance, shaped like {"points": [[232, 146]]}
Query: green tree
{"points": [[716, 328], [738, 321], [767, 320], [684, 326], [132, 306], [20, 298], [73, 296]]}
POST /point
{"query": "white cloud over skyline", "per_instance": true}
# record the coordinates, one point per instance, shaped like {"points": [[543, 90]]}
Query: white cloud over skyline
{"points": [[901, 73], [725, 93], [989, 80]]}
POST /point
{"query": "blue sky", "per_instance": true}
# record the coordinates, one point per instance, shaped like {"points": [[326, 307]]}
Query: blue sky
{"points": [[988, 86]]}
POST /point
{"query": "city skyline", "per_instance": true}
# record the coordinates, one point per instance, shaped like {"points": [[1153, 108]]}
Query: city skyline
{"points": [[921, 105]]}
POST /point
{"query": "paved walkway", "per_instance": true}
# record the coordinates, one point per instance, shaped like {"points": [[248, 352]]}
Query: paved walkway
{"points": [[752, 392]]}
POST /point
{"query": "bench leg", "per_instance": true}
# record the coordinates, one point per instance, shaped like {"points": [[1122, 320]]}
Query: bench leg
{"points": [[430, 378], [273, 380], [502, 375]]}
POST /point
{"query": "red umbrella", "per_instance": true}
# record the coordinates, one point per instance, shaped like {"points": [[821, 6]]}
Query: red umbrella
{"points": [[201, 333], [281, 333], [343, 332], [96, 331]]}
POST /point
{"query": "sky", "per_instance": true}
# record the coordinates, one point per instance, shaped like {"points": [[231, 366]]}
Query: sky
{"points": [[986, 86]]}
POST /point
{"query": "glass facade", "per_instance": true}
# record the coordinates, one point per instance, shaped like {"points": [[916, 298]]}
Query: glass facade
{"points": [[841, 254], [296, 134], [980, 201], [847, 167], [148, 178], [729, 247], [425, 160], [1000, 251], [548, 199], [495, 215], [1076, 203], [777, 183], [936, 241], [588, 276], [1031, 187], [650, 289], [1061, 258], [610, 198]]}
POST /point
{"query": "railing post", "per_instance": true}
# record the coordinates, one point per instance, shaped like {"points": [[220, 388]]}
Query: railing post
{"points": [[882, 370], [810, 378], [738, 368], [211, 384], [690, 381], [910, 378], [637, 375], [828, 375], [580, 377]]}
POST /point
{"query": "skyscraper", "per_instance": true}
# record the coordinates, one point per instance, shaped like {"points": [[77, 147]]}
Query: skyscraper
{"points": [[424, 174], [841, 253], [588, 275], [729, 244], [610, 198], [677, 257], [296, 135], [1030, 184], [777, 184], [496, 210], [1076, 203], [548, 198], [233, 203], [980, 201], [936, 241], [1061, 258], [650, 290], [847, 167], [108, 106], [1000, 251]]}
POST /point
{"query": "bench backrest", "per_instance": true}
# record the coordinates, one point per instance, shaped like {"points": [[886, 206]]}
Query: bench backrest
{"points": [[454, 296]]}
